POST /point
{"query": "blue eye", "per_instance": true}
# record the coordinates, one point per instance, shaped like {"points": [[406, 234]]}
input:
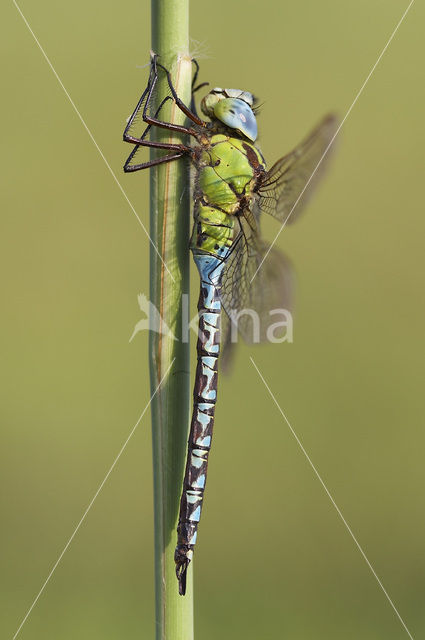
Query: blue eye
{"points": [[237, 114]]}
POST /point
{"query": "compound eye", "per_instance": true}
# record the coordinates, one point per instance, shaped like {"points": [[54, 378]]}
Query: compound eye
{"points": [[237, 114]]}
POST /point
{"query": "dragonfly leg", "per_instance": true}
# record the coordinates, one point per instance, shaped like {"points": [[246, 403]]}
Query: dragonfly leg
{"points": [[158, 145], [151, 163], [195, 88], [195, 75], [181, 105], [148, 143], [142, 142], [153, 120]]}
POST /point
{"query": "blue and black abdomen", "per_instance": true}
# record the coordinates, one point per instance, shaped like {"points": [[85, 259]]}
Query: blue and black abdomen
{"points": [[204, 400]]}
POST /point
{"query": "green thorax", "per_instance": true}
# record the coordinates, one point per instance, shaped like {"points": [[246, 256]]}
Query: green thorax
{"points": [[227, 171]]}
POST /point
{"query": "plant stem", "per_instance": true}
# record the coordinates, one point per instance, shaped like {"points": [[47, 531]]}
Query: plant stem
{"points": [[169, 229]]}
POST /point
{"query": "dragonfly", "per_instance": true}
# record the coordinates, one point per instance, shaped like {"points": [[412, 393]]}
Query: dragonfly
{"points": [[238, 270]]}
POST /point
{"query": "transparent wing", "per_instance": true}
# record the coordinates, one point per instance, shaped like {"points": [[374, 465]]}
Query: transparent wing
{"points": [[295, 175], [246, 300]]}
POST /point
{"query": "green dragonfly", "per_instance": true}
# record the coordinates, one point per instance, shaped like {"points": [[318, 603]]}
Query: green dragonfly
{"points": [[231, 189]]}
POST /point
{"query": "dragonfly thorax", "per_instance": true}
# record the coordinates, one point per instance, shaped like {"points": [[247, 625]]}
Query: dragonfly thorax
{"points": [[233, 108]]}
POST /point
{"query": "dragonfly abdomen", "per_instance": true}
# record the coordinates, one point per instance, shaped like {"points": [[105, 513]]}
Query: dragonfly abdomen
{"points": [[204, 400], [212, 231]]}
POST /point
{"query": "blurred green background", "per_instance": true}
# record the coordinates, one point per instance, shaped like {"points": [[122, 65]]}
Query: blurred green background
{"points": [[73, 259]]}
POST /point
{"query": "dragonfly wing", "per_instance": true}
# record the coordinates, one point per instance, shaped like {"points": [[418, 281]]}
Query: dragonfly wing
{"points": [[248, 300], [287, 186]]}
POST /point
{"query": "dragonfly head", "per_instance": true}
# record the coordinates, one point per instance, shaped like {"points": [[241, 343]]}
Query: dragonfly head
{"points": [[232, 107]]}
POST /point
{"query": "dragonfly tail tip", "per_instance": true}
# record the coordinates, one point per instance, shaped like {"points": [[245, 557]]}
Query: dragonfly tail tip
{"points": [[181, 573]]}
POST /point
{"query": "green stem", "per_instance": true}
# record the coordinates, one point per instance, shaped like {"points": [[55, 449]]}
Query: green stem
{"points": [[169, 229]]}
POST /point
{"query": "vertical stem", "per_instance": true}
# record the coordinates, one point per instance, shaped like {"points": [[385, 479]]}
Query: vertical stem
{"points": [[169, 228]]}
